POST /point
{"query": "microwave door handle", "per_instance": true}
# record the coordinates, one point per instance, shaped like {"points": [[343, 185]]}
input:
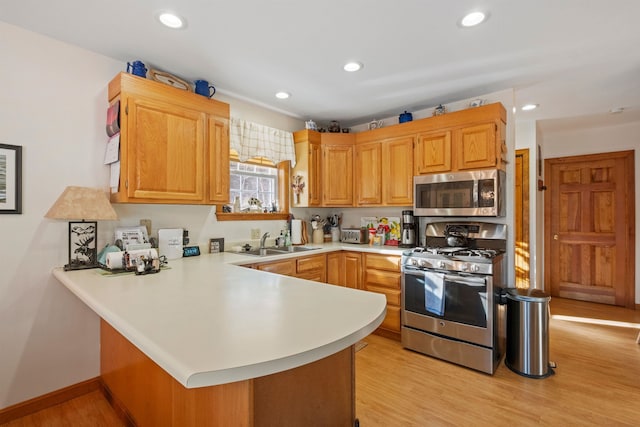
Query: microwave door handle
{"points": [[479, 282], [476, 188]]}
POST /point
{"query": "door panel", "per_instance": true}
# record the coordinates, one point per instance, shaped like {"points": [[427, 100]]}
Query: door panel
{"points": [[522, 260], [589, 245]]}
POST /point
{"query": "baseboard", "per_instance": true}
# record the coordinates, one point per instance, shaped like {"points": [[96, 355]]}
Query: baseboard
{"points": [[36, 404]]}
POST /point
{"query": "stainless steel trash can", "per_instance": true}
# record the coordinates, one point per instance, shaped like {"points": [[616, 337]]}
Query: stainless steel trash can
{"points": [[528, 332]]}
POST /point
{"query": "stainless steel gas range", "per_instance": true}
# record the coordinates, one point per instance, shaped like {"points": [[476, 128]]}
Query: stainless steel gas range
{"points": [[451, 294]]}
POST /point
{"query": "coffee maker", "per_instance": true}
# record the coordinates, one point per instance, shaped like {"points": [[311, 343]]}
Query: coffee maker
{"points": [[408, 237]]}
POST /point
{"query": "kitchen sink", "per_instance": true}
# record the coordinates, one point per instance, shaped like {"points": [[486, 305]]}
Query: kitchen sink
{"points": [[270, 251]]}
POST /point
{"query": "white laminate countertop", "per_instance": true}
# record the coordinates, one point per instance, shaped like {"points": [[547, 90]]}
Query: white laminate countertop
{"points": [[207, 321]]}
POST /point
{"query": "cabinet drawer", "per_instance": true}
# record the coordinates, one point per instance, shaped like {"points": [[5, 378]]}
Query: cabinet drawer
{"points": [[382, 262], [393, 296], [386, 279], [316, 262], [285, 267]]}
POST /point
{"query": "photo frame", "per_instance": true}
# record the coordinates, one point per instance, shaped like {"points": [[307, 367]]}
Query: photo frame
{"points": [[10, 179], [83, 251], [216, 245]]}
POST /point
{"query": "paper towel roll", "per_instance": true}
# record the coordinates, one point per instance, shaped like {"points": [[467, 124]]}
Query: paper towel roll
{"points": [[296, 231], [115, 260]]}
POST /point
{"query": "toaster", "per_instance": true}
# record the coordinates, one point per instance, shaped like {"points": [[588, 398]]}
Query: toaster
{"points": [[354, 235]]}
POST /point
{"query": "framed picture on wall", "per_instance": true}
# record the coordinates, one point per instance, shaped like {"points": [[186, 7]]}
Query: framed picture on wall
{"points": [[10, 179], [216, 245]]}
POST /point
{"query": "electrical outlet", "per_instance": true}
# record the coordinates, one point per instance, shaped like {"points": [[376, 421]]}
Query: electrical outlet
{"points": [[255, 233]]}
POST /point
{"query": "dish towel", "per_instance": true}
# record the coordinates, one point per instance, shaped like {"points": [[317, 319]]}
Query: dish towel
{"points": [[434, 292]]}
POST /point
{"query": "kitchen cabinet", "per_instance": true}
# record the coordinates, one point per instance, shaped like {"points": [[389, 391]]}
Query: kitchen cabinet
{"points": [[337, 169], [368, 172], [397, 170], [286, 267], [344, 268], [469, 139], [384, 172], [309, 168], [382, 275], [174, 144]]}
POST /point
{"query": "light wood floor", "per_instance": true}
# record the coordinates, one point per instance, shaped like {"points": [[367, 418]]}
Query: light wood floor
{"points": [[597, 382]]}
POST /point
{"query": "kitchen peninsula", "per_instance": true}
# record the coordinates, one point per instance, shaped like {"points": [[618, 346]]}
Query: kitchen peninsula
{"points": [[205, 342]]}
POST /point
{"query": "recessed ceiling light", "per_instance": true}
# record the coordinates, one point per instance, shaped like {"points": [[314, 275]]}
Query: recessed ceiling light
{"points": [[171, 20], [529, 107], [352, 66], [472, 19], [283, 95], [616, 110]]}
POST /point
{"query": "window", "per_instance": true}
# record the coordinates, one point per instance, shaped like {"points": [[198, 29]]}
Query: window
{"points": [[250, 181]]}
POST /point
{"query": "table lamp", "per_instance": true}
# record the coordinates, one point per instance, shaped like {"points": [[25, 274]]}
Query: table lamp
{"points": [[88, 205]]}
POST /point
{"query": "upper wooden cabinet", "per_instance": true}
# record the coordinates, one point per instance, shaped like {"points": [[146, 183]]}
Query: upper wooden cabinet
{"points": [[368, 173], [174, 144], [325, 163], [433, 152], [397, 171]]}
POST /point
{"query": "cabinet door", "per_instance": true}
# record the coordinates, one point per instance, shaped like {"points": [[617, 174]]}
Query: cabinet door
{"points": [[352, 270], [218, 149], [334, 268], [397, 170], [433, 152], [368, 174], [309, 168], [337, 175], [475, 146], [166, 151]]}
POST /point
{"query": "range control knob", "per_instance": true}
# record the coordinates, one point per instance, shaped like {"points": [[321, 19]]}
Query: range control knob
{"points": [[475, 268], [442, 265], [413, 261], [423, 263], [464, 267]]}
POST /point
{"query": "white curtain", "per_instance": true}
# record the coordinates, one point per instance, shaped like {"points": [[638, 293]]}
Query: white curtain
{"points": [[255, 140]]}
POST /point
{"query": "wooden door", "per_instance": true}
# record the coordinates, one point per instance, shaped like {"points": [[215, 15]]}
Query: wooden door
{"points": [[368, 172], [433, 152], [166, 151], [523, 257], [337, 175], [397, 170], [589, 228], [475, 147]]}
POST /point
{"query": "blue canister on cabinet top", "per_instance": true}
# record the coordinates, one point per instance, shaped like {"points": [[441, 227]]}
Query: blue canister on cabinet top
{"points": [[137, 68], [405, 117]]}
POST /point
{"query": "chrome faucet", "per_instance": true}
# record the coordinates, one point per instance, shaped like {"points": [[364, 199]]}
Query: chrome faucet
{"points": [[262, 240]]}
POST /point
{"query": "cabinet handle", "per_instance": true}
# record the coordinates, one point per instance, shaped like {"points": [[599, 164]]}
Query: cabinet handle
{"points": [[555, 237]]}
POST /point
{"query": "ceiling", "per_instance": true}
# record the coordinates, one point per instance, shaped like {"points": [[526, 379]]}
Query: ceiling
{"points": [[577, 59]]}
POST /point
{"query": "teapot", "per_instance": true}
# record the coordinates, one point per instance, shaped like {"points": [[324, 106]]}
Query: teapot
{"points": [[375, 124], [405, 117]]}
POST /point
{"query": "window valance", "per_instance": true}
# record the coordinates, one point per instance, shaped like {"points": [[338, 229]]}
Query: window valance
{"points": [[254, 140]]}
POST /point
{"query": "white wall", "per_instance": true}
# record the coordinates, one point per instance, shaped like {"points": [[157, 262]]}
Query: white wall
{"points": [[53, 100], [600, 140]]}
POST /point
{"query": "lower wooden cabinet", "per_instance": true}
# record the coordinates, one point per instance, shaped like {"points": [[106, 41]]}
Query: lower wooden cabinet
{"points": [[312, 267], [344, 268], [382, 275], [371, 272]]}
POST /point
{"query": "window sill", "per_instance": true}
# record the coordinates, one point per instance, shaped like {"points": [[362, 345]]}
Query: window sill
{"points": [[223, 216]]}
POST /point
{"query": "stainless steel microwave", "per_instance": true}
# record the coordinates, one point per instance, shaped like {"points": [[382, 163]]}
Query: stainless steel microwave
{"points": [[468, 193]]}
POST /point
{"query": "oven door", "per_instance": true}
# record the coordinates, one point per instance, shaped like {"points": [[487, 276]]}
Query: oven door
{"points": [[466, 312]]}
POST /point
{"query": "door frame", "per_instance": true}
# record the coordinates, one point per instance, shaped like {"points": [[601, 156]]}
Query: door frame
{"points": [[524, 216]]}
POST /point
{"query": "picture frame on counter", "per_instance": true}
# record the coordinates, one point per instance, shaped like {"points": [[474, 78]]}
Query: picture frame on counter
{"points": [[83, 252], [216, 245], [10, 179]]}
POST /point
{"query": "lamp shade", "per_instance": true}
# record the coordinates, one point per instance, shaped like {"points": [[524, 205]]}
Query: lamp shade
{"points": [[82, 203]]}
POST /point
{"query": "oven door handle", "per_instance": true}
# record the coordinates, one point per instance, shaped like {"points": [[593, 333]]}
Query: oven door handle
{"points": [[479, 282]]}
